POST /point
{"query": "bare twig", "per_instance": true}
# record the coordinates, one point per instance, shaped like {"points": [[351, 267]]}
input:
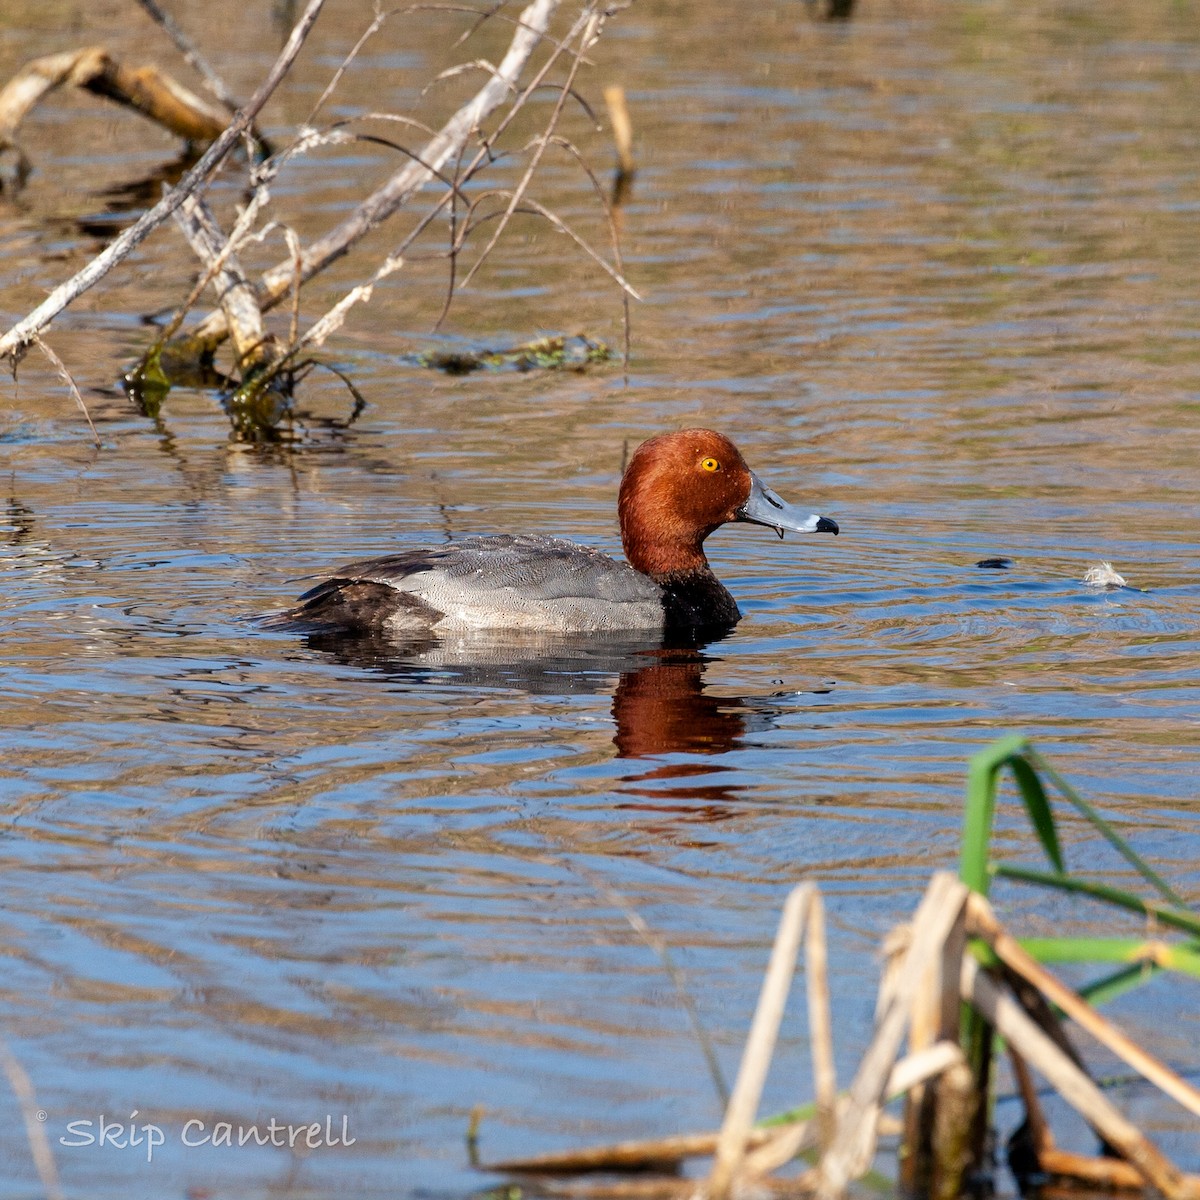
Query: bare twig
{"points": [[191, 55], [39, 1145], [1039, 1131], [586, 28], [17, 340], [531, 28], [65, 376]]}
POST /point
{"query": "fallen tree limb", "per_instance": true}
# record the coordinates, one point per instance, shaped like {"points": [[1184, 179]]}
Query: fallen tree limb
{"points": [[234, 291], [146, 90], [17, 340]]}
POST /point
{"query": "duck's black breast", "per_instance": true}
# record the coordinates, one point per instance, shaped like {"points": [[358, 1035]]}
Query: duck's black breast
{"points": [[698, 600]]}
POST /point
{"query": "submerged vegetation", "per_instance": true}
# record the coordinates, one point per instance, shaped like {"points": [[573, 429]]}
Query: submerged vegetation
{"points": [[547, 354]]}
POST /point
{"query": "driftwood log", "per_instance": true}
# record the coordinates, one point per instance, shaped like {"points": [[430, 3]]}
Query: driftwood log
{"points": [[146, 90]]}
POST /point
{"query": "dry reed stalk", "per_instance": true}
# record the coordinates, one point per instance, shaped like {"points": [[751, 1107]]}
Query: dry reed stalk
{"points": [[624, 1156], [622, 127], [853, 1144], [919, 1068], [1012, 1022], [18, 339], [936, 1149], [820, 1025], [1102, 1172], [35, 1132], [624, 1189], [1039, 1132], [924, 1030], [785, 1143], [954, 1114], [760, 1044], [983, 923]]}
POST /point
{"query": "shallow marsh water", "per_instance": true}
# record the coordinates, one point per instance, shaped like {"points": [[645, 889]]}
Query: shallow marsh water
{"points": [[934, 269]]}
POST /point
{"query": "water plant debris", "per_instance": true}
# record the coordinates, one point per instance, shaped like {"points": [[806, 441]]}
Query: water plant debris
{"points": [[546, 354]]}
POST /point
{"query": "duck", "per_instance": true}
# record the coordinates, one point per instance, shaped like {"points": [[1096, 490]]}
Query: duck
{"points": [[678, 488]]}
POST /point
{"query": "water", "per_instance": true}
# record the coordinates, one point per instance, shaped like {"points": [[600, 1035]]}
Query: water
{"points": [[934, 271]]}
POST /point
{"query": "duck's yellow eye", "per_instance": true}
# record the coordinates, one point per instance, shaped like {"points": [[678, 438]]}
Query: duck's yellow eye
{"points": [[710, 464]]}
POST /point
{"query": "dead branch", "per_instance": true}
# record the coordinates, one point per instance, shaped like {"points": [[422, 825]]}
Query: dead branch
{"points": [[65, 375], [146, 90], [17, 340], [426, 165], [236, 294]]}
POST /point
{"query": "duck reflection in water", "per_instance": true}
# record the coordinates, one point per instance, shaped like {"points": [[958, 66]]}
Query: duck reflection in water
{"points": [[660, 704], [663, 709]]}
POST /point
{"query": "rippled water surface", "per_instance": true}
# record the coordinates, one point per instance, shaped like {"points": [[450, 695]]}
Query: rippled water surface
{"points": [[934, 269]]}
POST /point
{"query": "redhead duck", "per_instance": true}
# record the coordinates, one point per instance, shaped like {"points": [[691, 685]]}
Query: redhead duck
{"points": [[677, 489]]}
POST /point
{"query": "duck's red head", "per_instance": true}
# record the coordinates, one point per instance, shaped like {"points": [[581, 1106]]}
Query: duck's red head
{"points": [[679, 487]]}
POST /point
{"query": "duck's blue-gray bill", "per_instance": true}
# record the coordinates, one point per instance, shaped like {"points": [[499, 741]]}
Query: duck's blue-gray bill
{"points": [[764, 507]]}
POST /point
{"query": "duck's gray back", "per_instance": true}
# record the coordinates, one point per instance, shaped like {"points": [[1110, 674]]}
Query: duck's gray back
{"points": [[516, 582]]}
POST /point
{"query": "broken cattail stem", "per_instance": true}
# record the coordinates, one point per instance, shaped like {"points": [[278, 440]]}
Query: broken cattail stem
{"points": [[622, 127], [984, 924], [854, 1143], [1012, 1022], [760, 1044]]}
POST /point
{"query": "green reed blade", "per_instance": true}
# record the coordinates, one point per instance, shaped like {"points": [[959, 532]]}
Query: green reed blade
{"points": [[1183, 958], [1173, 917], [982, 777], [1101, 991], [1126, 851], [1037, 805]]}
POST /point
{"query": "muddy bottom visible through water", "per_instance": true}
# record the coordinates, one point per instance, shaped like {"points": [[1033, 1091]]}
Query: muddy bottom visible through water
{"points": [[934, 269]]}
